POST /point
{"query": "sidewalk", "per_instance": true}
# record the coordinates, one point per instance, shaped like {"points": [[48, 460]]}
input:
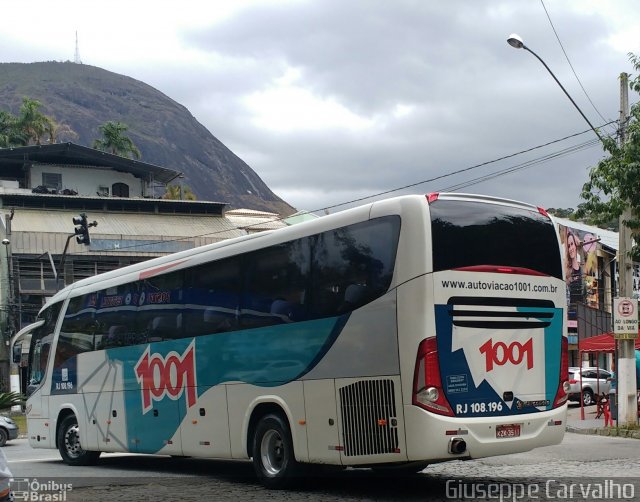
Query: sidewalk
{"points": [[593, 425]]}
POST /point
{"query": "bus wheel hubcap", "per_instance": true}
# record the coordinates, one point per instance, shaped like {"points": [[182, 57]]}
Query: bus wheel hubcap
{"points": [[272, 452], [72, 442]]}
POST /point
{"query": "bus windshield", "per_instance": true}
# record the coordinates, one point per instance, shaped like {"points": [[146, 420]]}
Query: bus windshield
{"points": [[468, 233]]}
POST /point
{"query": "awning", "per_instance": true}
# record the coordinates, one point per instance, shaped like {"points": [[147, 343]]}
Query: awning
{"points": [[601, 343]]}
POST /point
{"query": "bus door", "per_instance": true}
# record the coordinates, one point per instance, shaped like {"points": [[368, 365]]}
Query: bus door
{"points": [[20, 343], [38, 391], [104, 396]]}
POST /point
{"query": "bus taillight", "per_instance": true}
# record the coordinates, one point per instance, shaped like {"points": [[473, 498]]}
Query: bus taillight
{"points": [[563, 384], [427, 384]]}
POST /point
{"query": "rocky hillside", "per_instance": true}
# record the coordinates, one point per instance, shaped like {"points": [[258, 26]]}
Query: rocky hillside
{"points": [[164, 131]]}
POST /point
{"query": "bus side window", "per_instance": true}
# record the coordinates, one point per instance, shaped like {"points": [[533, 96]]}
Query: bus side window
{"points": [[354, 296], [212, 297], [77, 331], [164, 327], [353, 265], [115, 337], [276, 281]]}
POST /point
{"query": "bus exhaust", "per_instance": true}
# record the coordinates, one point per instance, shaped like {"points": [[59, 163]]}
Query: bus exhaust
{"points": [[457, 446]]}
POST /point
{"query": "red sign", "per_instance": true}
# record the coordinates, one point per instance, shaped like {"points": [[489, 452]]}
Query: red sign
{"points": [[169, 376], [501, 353]]}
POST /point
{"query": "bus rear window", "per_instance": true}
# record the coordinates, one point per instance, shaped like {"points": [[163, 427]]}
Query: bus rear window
{"points": [[466, 233]]}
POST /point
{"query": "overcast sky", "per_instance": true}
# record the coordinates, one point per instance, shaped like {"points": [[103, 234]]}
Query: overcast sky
{"points": [[334, 100]]}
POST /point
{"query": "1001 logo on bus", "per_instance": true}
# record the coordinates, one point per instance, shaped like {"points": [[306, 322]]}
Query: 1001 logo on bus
{"points": [[500, 353], [169, 376]]}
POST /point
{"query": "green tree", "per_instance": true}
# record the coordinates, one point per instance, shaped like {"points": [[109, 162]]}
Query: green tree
{"points": [[115, 141], [10, 134], [31, 126], [31, 121], [568, 213], [179, 192], [614, 183], [9, 399], [58, 131]]}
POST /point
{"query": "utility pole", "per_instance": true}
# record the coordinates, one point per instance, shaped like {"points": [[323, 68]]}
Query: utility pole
{"points": [[626, 361]]}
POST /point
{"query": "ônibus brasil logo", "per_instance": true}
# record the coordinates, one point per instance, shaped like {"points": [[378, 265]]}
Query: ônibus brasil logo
{"points": [[167, 376]]}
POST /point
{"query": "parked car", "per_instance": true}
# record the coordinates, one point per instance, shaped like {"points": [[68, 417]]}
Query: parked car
{"points": [[594, 381], [8, 430]]}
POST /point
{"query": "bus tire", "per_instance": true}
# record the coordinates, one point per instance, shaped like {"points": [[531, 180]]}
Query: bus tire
{"points": [[273, 457], [69, 446]]}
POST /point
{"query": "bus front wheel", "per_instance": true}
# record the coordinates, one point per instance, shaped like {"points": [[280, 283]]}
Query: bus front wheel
{"points": [[69, 446], [273, 456]]}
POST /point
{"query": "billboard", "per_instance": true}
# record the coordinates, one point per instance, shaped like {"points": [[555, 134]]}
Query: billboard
{"points": [[581, 265]]}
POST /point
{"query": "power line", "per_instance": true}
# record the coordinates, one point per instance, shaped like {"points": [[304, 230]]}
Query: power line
{"points": [[524, 165], [539, 160], [436, 178], [569, 61]]}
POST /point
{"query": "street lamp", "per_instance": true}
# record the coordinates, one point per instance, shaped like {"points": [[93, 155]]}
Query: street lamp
{"points": [[6, 242], [516, 42], [628, 405], [7, 323]]}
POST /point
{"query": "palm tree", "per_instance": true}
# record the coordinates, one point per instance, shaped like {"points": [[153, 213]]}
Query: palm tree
{"points": [[10, 133], [114, 140], [9, 399], [32, 121], [57, 131], [7, 129], [179, 192]]}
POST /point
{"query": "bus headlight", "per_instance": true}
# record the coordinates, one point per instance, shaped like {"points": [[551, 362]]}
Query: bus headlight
{"points": [[566, 386]]}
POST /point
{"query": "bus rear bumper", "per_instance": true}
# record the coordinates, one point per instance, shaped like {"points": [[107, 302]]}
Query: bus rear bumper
{"points": [[436, 438]]}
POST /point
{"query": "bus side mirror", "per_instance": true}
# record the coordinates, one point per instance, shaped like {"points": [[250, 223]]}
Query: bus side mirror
{"points": [[17, 353]]}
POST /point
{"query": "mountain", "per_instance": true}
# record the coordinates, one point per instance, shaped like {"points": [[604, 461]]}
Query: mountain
{"points": [[85, 97]]}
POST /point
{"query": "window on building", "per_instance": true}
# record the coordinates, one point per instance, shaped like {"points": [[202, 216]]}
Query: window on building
{"points": [[120, 190], [103, 191], [52, 180]]}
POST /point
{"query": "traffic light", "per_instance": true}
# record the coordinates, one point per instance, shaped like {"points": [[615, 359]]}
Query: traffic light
{"points": [[82, 229]]}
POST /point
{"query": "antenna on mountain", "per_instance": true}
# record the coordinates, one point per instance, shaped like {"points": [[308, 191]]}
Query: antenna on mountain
{"points": [[77, 58]]}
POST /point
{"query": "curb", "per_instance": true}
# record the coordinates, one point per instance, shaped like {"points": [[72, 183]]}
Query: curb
{"points": [[605, 431]]}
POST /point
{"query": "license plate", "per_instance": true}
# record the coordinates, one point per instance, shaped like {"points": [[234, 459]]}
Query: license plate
{"points": [[508, 431]]}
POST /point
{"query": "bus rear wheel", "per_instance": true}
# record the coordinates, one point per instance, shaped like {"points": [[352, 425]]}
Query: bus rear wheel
{"points": [[273, 457], [69, 445]]}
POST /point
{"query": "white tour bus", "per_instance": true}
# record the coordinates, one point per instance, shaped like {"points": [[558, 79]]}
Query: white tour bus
{"points": [[400, 333]]}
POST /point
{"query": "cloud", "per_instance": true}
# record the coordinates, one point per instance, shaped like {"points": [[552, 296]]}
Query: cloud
{"points": [[329, 101]]}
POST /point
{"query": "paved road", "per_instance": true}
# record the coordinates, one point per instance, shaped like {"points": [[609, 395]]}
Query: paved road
{"points": [[579, 459]]}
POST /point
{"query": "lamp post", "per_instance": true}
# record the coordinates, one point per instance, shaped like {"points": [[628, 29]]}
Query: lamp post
{"points": [[625, 357], [516, 42], [7, 328]]}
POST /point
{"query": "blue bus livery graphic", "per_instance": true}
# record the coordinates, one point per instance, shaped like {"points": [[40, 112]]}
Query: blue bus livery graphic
{"points": [[469, 400]]}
